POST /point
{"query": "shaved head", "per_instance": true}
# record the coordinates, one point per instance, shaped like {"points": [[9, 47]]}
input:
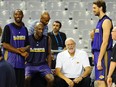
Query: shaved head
{"points": [[38, 30], [39, 24], [45, 17], [45, 14]]}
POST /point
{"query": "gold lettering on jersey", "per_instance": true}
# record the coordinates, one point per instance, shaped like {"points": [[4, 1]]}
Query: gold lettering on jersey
{"points": [[37, 49], [19, 37], [101, 76], [96, 30]]}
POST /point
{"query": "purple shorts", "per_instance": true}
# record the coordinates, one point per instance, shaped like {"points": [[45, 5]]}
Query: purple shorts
{"points": [[102, 74], [42, 69]]}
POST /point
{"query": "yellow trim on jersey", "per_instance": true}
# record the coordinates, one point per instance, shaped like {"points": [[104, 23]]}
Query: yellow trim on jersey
{"points": [[37, 49], [96, 30], [6, 55], [18, 37]]}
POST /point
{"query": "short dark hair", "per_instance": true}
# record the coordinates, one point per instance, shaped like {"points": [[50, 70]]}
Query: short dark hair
{"points": [[59, 23], [19, 10], [101, 3]]}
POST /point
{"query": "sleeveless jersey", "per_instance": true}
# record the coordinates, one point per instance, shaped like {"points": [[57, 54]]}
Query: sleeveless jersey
{"points": [[98, 36], [17, 40], [38, 50]]}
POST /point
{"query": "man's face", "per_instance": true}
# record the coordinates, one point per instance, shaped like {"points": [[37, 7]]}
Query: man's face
{"points": [[39, 30], [18, 15], [70, 45], [96, 10], [45, 19], [56, 27], [113, 34]]}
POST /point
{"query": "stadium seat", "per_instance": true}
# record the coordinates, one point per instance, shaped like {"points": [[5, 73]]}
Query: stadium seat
{"points": [[76, 6], [13, 5], [113, 15], [59, 15], [81, 15], [35, 6], [67, 24], [86, 24], [89, 6], [26, 14], [3, 5], [71, 0], [5, 14], [111, 6], [35, 14], [55, 5]]}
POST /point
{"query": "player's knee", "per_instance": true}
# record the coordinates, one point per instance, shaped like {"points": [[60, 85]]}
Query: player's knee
{"points": [[99, 82], [27, 78], [50, 78]]}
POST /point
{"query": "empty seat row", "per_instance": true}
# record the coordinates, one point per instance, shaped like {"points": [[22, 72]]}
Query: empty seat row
{"points": [[40, 5]]}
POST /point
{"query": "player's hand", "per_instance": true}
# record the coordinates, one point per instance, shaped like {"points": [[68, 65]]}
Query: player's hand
{"points": [[70, 82], [77, 80], [25, 54], [99, 66], [0, 58], [22, 49], [109, 81]]}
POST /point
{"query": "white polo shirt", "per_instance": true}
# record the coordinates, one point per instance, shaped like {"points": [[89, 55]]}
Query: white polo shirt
{"points": [[72, 67]]}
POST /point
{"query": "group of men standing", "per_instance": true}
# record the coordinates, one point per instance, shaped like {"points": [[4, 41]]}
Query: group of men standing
{"points": [[31, 54]]}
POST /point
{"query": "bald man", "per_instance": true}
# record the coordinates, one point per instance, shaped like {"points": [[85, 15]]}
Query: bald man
{"points": [[44, 18], [39, 59], [72, 67]]}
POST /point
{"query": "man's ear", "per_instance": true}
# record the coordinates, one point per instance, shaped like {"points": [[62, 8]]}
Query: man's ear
{"points": [[101, 8]]}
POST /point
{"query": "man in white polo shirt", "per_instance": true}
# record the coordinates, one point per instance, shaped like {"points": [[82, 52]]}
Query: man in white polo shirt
{"points": [[72, 67]]}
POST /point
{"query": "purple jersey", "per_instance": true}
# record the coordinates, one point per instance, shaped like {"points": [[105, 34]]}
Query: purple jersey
{"points": [[38, 50], [102, 74], [98, 36], [96, 46], [17, 40], [36, 62]]}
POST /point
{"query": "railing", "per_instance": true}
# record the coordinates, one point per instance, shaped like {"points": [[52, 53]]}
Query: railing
{"points": [[88, 51]]}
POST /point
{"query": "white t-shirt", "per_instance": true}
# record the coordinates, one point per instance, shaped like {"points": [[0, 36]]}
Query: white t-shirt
{"points": [[72, 67]]}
